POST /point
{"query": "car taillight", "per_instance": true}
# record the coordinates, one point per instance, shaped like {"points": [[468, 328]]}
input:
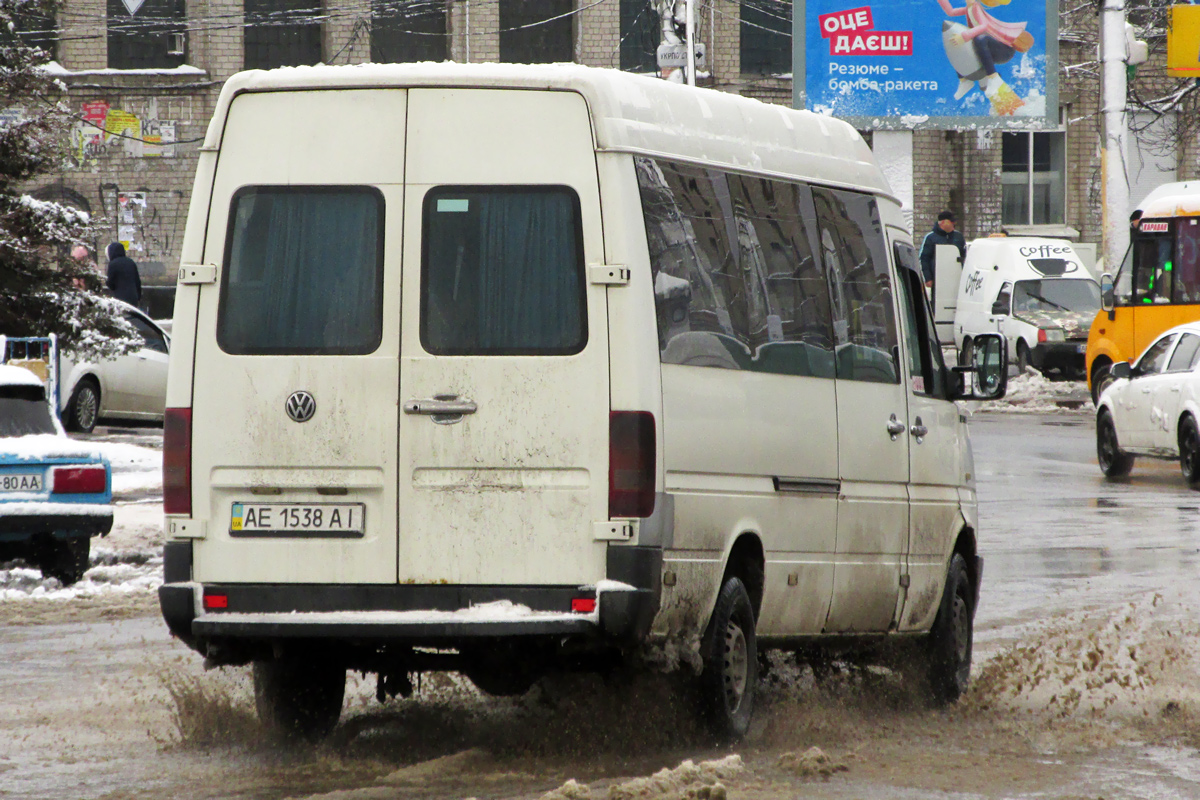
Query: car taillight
{"points": [[177, 461], [1041, 335], [631, 454], [78, 480]]}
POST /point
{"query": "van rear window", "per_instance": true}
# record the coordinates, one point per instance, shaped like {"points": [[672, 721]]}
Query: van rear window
{"points": [[502, 271], [303, 272]]}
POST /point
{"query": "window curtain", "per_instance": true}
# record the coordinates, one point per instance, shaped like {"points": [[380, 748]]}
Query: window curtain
{"points": [[529, 291]]}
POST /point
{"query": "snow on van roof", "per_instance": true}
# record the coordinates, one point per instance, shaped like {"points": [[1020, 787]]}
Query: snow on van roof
{"points": [[1172, 205], [630, 113]]}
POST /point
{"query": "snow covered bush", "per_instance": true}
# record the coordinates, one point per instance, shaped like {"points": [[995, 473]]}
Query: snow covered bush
{"points": [[42, 289]]}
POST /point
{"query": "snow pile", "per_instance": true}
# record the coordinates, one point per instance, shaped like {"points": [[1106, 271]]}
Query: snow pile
{"points": [[1033, 392], [109, 574], [812, 763], [688, 781], [1090, 666]]}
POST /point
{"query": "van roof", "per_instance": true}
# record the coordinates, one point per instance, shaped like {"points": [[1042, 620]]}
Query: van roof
{"points": [[1173, 205], [1178, 188], [630, 113]]}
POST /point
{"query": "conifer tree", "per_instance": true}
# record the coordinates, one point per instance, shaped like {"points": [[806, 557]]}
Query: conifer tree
{"points": [[42, 289]]}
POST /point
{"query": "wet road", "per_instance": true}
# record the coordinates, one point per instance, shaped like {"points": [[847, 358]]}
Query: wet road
{"points": [[1085, 684], [1057, 535]]}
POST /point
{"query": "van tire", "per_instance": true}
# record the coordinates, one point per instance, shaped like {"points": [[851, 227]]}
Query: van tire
{"points": [[299, 699], [66, 559], [948, 647], [1101, 379], [84, 409], [1022, 356], [729, 682], [1114, 462], [964, 352], [1189, 450]]}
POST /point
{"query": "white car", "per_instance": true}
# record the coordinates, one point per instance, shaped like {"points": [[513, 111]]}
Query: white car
{"points": [[1152, 407], [130, 387]]}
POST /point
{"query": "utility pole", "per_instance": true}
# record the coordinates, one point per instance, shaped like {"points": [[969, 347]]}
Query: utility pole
{"points": [[690, 24], [1112, 158]]}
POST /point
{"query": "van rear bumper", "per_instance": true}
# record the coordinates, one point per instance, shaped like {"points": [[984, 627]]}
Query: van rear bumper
{"points": [[439, 615]]}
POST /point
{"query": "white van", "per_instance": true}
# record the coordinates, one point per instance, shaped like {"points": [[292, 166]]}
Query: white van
{"points": [[1036, 292], [506, 369]]}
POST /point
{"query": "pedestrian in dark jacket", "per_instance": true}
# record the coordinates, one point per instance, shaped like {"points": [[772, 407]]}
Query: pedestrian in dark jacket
{"points": [[123, 279], [943, 233]]}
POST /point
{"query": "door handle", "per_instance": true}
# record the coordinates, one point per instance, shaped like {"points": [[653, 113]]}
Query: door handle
{"points": [[895, 427], [446, 409], [1174, 388], [919, 431]]}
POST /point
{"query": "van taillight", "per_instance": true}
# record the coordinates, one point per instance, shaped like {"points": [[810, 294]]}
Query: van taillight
{"points": [[630, 464], [177, 461], [78, 480]]}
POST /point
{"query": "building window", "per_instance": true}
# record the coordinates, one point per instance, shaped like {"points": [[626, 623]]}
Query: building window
{"points": [[282, 33], [1033, 178], [766, 37], [537, 31], [639, 36], [411, 30], [152, 36]]}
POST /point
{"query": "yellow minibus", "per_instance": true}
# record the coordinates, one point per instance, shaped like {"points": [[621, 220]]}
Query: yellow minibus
{"points": [[1157, 286]]}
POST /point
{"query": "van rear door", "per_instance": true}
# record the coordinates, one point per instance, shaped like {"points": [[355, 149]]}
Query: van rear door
{"points": [[504, 348], [295, 383]]}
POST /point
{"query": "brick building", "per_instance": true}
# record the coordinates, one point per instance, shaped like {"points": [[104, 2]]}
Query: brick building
{"points": [[143, 77]]}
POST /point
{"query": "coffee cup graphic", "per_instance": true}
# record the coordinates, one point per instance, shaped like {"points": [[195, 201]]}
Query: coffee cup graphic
{"points": [[1053, 267]]}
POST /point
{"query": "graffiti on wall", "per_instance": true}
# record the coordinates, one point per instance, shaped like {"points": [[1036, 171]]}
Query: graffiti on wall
{"points": [[104, 129]]}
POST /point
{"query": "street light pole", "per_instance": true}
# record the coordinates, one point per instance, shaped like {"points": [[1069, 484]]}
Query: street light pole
{"points": [[691, 41], [1116, 181]]}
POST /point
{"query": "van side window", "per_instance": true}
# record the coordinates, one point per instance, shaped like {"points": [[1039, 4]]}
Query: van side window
{"points": [[926, 367], [699, 294], [1003, 302], [1187, 260], [502, 271], [855, 257], [791, 330], [303, 271]]}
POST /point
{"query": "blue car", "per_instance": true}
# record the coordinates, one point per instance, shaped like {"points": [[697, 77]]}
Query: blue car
{"points": [[54, 493]]}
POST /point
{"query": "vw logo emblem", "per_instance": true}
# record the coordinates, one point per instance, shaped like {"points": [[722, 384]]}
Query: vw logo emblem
{"points": [[301, 406]]}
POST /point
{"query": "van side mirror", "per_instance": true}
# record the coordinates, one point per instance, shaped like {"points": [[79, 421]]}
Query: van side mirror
{"points": [[986, 376], [1121, 369], [1107, 299], [1000, 307]]}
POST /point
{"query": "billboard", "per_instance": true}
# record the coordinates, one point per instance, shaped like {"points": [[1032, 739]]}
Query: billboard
{"points": [[904, 64]]}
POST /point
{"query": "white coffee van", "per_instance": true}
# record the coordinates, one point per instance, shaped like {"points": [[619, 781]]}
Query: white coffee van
{"points": [[1036, 292], [508, 369]]}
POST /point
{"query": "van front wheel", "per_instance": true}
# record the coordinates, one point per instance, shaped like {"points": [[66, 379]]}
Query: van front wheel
{"points": [[299, 699], [948, 648], [730, 678]]}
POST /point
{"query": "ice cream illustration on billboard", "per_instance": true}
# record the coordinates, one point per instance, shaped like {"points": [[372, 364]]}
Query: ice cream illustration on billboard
{"points": [[975, 51]]}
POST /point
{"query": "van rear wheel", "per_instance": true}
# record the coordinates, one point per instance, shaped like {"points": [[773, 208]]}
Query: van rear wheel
{"points": [[299, 699], [729, 681]]}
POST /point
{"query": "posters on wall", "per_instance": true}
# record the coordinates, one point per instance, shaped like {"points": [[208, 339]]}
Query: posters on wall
{"points": [[906, 64], [131, 208], [105, 129]]}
